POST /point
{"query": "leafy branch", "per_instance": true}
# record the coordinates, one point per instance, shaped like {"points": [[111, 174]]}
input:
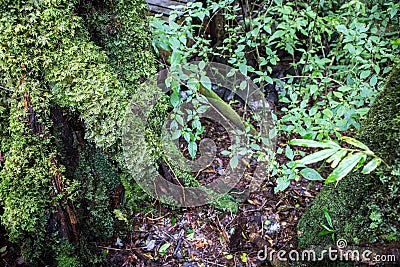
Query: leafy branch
{"points": [[342, 159]]}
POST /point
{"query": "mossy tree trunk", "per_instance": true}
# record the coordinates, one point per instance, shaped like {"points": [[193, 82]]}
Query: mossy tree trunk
{"points": [[364, 208], [67, 71]]}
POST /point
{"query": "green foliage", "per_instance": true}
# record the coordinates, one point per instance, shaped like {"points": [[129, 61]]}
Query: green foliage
{"points": [[338, 55], [343, 160], [365, 200], [335, 57]]}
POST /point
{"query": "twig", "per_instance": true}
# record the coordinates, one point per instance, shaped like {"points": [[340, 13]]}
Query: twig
{"points": [[158, 218], [214, 263], [118, 249]]}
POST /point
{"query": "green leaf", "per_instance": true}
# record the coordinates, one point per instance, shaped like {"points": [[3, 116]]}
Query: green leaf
{"points": [[3, 249], [255, 147], [395, 42], [243, 85], [281, 184], [311, 174], [202, 108], [351, 49], [192, 147], [354, 142], [312, 143], [347, 164], [325, 232], [341, 28], [225, 152], [289, 153], [163, 249], [174, 99], [328, 113], [318, 156], [364, 74], [243, 68], [186, 135], [175, 58], [179, 119], [206, 82], [243, 257], [328, 218], [192, 84], [372, 165], [361, 162], [196, 124], [176, 134], [202, 65], [234, 161], [276, 34], [336, 158], [373, 80]]}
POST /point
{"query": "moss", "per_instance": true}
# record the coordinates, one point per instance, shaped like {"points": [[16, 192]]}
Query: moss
{"points": [[359, 200], [66, 256], [97, 180], [48, 59]]}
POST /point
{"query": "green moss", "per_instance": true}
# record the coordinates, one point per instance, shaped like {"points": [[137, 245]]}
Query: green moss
{"points": [[48, 59], [97, 181], [364, 207], [66, 256]]}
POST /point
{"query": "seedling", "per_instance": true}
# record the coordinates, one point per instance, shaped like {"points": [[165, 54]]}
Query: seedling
{"points": [[329, 230]]}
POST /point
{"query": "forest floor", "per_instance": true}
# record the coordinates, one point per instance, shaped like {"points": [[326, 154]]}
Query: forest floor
{"points": [[207, 236]]}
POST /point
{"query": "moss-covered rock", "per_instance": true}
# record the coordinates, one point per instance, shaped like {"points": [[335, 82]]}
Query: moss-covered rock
{"points": [[364, 208]]}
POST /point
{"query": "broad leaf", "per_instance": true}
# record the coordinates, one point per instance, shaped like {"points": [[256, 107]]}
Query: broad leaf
{"points": [[336, 158], [312, 143], [233, 162], [355, 142], [179, 119], [206, 82], [192, 147], [281, 184], [361, 162], [311, 174], [372, 165], [192, 83], [344, 167], [318, 156], [174, 99], [289, 153]]}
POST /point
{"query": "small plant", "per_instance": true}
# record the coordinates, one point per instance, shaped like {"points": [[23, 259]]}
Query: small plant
{"points": [[376, 217], [329, 230]]}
